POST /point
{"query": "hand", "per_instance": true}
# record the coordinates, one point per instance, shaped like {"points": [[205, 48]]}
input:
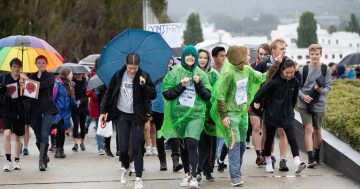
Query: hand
{"points": [[23, 76], [226, 122], [78, 103], [318, 89], [307, 99], [142, 80], [256, 105], [279, 58], [185, 81], [102, 118], [196, 79]]}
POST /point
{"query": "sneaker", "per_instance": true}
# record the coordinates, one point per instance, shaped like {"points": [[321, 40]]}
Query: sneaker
{"points": [[118, 153], [8, 166], [221, 166], [300, 167], [198, 177], [282, 165], [25, 152], [109, 153], [16, 165], [185, 181], [194, 183], [209, 177], [248, 145], [138, 183], [237, 184], [101, 152], [124, 176], [132, 169], [269, 168], [154, 151], [147, 151], [82, 147], [75, 148], [273, 160], [312, 163], [260, 161]]}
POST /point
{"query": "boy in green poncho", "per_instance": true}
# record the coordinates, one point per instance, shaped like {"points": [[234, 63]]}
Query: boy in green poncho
{"points": [[230, 104], [207, 143], [186, 90]]}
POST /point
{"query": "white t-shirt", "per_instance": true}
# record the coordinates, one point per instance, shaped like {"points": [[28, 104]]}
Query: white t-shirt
{"points": [[125, 100]]}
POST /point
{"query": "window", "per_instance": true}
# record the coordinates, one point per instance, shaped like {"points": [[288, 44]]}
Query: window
{"points": [[299, 57], [307, 57], [337, 42], [329, 41], [293, 40], [340, 55], [350, 44], [333, 56], [326, 56], [358, 45]]}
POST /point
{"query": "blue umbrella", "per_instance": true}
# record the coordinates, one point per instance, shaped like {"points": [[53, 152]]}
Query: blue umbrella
{"points": [[154, 54]]}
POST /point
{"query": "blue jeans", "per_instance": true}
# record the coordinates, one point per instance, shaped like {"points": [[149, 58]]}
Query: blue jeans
{"points": [[41, 125], [100, 141], [220, 142], [235, 161]]}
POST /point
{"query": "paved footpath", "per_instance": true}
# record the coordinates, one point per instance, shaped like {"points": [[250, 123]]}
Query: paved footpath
{"points": [[86, 169]]}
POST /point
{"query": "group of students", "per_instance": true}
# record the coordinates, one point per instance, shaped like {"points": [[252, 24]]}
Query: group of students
{"points": [[200, 108]]}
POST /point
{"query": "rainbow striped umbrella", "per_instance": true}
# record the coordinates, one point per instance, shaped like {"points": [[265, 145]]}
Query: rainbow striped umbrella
{"points": [[27, 48]]}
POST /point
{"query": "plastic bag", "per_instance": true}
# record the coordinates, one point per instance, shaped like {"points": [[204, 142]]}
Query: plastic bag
{"points": [[105, 130]]}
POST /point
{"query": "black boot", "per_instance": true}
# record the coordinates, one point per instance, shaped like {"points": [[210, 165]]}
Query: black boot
{"points": [[42, 160], [46, 157], [62, 153], [176, 165], [59, 152], [163, 166]]}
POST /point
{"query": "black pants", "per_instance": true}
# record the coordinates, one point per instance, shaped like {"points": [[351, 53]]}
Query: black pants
{"points": [[127, 125], [60, 134], [224, 152], [79, 119], [290, 135], [249, 130], [189, 155], [158, 119], [207, 151]]}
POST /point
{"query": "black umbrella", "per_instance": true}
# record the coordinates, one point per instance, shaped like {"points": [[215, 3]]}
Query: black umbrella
{"points": [[351, 59]]}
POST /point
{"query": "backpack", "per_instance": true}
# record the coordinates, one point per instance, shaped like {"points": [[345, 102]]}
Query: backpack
{"points": [[306, 72]]}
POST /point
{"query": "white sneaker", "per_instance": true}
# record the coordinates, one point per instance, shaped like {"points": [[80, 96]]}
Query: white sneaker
{"points": [[185, 181], [138, 183], [132, 167], [16, 165], [101, 152], [194, 183], [154, 151], [147, 151], [237, 184], [8, 166], [300, 167], [124, 176], [269, 168]]}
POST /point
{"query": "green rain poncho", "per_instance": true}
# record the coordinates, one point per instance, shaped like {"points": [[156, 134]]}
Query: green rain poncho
{"points": [[234, 88], [181, 121]]}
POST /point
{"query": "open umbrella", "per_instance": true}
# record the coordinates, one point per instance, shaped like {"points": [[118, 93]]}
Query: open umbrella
{"points": [[94, 82], [75, 68], [27, 48], [351, 59], [89, 60], [154, 54]]}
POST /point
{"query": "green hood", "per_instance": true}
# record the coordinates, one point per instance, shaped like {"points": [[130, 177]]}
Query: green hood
{"points": [[189, 50]]}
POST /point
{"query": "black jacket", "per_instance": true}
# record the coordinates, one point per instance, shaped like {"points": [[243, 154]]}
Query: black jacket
{"points": [[80, 94], [141, 95], [281, 96], [13, 108], [44, 103]]}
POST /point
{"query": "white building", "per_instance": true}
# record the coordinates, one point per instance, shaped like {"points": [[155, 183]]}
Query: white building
{"points": [[335, 46]]}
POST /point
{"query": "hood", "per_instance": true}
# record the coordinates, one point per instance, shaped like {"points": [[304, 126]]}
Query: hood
{"points": [[189, 50], [237, 56]]}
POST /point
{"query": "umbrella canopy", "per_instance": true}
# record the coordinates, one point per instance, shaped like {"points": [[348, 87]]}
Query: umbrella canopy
{"points": [[154, 54], [28, 56], [351, 59], [27, 48], [94, 82], [89, 60], [76, 68]]}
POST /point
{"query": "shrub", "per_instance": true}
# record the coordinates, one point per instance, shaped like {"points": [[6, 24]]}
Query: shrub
{"points": [[342, 117]]}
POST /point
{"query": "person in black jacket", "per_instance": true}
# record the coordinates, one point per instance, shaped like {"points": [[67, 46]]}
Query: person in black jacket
{"points": [[126, 100], [281, 93], [79, 114], [42, 109], [12, 112]]}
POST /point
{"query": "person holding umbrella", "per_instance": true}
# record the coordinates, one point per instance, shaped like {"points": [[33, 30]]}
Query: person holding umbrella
{"points": [[42, 109], [186, 90], [126, 100]]}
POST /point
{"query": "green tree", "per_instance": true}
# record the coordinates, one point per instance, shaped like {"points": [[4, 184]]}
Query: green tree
{"points": [[353, 25], [306, 30], [332, 29], [193, 33]]}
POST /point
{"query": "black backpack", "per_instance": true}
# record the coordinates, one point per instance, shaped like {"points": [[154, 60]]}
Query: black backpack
{"points": [[306, 72]]}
